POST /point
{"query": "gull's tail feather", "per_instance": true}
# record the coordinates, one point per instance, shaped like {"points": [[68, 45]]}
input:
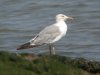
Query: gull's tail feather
{"points": [[26, 46]]}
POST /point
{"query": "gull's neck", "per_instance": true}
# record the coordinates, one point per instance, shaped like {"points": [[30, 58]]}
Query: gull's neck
{"points": [[62, 26], [60, 22]]}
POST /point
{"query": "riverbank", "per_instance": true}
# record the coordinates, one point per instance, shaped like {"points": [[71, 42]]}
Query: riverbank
{"points": [[30, 64]]}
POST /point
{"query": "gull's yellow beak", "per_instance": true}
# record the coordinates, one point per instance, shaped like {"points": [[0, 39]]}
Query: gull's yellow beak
{"points": [[70, 18]]}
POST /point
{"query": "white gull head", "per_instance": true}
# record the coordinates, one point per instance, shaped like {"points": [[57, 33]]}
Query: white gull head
{"points": [[62, 17]]}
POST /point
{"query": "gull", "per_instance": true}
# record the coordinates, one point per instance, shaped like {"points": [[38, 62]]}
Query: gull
{"points": [[49, 34]]}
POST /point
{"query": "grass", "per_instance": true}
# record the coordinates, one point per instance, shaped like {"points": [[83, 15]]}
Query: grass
{"points": [[13, 64]]}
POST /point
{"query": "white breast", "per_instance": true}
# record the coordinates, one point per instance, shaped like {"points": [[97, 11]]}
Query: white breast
{"points": [[63, 29]]}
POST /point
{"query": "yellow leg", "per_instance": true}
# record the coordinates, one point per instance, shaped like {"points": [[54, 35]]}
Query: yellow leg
{"points": [[51, 49]]}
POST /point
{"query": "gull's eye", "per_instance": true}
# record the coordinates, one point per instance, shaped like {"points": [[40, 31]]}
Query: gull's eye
{"points": [[62, 16]]}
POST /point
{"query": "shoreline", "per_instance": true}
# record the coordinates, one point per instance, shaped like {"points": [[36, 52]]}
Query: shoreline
{"points": [[46, 65]]}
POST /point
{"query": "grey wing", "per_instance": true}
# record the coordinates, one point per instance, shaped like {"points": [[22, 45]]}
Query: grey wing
{"points": [[47, 35]]}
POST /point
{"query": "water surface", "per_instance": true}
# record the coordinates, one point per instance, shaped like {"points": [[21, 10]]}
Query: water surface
{"points": [[20, 20]]}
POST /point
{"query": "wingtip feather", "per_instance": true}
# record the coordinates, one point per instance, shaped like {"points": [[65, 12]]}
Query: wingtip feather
{"points": [[26, 46]]}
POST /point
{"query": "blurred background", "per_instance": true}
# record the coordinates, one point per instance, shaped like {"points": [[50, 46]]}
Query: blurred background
{"points": [[20, 20]]}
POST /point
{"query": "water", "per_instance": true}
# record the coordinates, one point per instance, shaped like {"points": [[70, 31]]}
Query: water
{"points": [[20, 20]]}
